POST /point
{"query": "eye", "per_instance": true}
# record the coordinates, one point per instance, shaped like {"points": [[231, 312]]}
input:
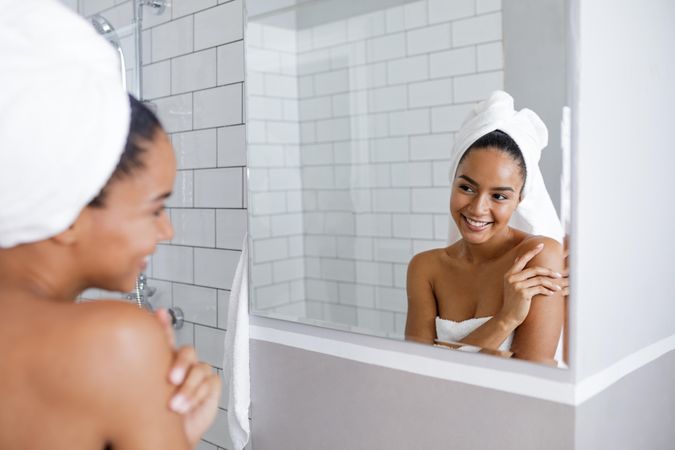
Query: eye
{"points": [[500, 197], [466, 188], [158, 212]]}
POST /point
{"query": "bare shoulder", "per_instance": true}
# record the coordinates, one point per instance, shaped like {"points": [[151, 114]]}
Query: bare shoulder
{"points": [[120, 319], [118, 324], [531, 241], [85, 339], [551, 255], [128, 358], [106, 354], [101, 365], [117, 334], [426, 259]]}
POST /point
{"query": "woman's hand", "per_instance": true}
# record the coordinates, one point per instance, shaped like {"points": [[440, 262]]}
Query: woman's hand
{"points": [[565, 282], [198, 387], [521, 284]]}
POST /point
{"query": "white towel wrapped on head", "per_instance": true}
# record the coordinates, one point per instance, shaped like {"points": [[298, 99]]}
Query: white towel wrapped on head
{"points": [[535, 213], [64, 118]]}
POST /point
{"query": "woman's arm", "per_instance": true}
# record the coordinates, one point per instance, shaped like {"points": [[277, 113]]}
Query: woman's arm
{"points": [[124, 372], [492, 333], [197, 387], [536, 338], [524, 280], [420, 323]]}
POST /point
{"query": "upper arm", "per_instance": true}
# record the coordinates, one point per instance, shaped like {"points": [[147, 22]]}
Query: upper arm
{"points": [[422, 310], [537, 337], [132, 379]]}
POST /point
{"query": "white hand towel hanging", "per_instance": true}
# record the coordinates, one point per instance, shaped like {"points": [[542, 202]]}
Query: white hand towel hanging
{"points": [[236, 362]]}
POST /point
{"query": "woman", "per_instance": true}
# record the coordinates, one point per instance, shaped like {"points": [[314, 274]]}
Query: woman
{"points": [[81, 208], [496, 287], [94, 375]]}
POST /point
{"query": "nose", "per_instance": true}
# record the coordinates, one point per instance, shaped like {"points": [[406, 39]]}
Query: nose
{"points": [[165, 228], [479, 205]]}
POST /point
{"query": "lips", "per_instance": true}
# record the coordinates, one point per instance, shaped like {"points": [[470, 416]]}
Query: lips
{"points": [[475, 225]]}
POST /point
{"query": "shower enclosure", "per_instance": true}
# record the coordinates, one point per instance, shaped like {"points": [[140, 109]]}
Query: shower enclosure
{"points": [[121, 24]]}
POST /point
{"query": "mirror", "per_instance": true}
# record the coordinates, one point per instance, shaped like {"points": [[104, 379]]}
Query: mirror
{"points": [[353, 109]]}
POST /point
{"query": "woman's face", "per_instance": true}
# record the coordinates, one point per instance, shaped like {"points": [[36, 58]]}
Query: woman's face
{"points": [[485, 192], [126, 230]]}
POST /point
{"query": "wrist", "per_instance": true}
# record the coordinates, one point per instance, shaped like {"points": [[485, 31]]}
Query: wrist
{"points": [[507, 322]]}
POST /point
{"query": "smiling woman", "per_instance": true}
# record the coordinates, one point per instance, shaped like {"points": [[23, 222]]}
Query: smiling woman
{"points": [[85, 170], [497, 287], [138, 203], [353, 112], [82, 368]]}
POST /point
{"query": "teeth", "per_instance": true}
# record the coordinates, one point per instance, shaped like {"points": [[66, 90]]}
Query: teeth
{"points": [[475, 222]]}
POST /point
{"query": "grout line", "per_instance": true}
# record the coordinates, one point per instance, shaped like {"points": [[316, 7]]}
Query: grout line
{"points": [[193, 31], [180, 55]]}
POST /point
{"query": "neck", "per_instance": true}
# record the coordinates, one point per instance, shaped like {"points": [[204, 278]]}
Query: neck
{"points": [[489, 250], [36, 270]]}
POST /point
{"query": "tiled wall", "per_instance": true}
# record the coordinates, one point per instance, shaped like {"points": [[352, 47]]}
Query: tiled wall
{"points": [[275, 171], [353, 121], [193, 68]]}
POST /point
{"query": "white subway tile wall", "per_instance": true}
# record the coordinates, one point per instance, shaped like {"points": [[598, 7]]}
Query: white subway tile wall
{"points": [[193, 72], [352, 123]]}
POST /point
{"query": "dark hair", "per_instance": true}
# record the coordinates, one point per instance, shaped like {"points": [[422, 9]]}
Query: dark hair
{"points": [[503, 142], [142, 128]]}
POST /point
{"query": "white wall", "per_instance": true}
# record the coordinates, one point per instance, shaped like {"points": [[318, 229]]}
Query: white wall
{"points": [[535, 44], [624, 241]]}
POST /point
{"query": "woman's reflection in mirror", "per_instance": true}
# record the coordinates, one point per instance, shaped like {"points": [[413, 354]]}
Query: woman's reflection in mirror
{"points": [[497, 287]]}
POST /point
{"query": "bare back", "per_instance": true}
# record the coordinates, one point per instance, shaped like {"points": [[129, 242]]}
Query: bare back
{"points": [[80, 377]]}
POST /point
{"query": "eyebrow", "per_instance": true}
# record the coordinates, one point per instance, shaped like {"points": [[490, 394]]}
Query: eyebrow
{"points": [[163, 196], [498, 188]]}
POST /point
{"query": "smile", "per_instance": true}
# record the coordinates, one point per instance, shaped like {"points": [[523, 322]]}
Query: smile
{"points": [[475, 225]]}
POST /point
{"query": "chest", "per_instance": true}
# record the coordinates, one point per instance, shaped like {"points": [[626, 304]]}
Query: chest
{"points": [[465, 293]]}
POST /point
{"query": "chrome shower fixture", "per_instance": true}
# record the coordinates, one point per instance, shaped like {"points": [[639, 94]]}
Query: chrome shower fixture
{"points": [[158, 6], [141, 296], [105, 29]]}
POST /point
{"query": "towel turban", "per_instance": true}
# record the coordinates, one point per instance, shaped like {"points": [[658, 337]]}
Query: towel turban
{"points": [[535, 213], [64, 118]]}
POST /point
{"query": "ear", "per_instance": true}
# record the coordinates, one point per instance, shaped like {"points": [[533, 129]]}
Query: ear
{"points": [[73, 233]]}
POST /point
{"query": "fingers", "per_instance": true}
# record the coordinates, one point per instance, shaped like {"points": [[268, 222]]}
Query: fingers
{"points": [[200, 416], [209, 389], [563, 282], [200, 384], [532, 272], [547, 282], [185, 357], [521, 261], [165, 319], [544, 286], [538, 290]]}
